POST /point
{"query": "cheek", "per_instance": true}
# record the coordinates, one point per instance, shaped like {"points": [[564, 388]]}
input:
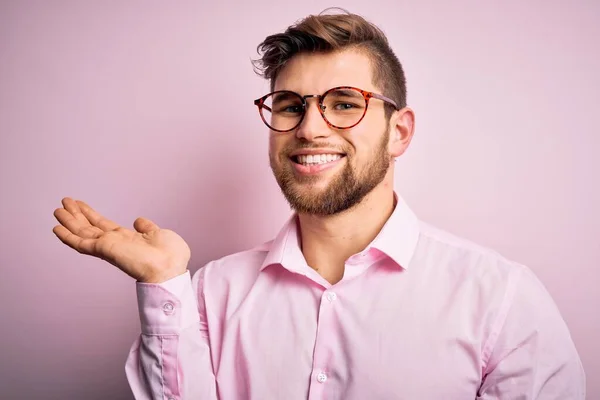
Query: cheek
{"points": [[370, 137], [365, 152], [358, 143], [276, 145], [273, 143]]}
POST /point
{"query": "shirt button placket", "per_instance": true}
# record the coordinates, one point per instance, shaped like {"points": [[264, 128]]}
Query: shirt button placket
{"points": [[325, 335]]}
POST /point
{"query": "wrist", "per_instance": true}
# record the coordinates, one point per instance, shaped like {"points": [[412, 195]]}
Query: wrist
{"points": [[161, 277]]}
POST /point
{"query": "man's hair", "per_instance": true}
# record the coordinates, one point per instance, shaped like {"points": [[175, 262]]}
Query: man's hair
{"points": [[326, 33]]}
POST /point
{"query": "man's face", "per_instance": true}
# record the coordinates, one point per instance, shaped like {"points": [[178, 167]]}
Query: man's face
{"points": [[357, 158]]}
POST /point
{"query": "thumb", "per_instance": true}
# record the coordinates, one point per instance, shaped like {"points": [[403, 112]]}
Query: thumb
{"points": [[144, 225]]}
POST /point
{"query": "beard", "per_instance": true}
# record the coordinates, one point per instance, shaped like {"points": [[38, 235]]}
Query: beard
{"points": [[346, 189]]}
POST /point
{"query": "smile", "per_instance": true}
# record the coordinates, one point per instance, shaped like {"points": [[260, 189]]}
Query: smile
{"points": [[316, 159], [313, 164]]}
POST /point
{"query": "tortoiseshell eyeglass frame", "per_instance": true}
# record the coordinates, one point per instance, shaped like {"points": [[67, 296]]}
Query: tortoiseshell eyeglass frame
{"points": [[260, 103]]}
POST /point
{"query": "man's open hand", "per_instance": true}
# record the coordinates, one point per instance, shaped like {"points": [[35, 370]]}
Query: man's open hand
{"points": [[148, 253]]}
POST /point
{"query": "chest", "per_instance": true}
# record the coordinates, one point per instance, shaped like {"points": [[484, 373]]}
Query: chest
{"points": [[377, 340]]}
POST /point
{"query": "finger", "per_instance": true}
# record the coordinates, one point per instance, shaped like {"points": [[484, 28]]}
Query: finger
{"points": [[95, 218], [144, 225], [71, 206], [75, 226], [82, 245]]}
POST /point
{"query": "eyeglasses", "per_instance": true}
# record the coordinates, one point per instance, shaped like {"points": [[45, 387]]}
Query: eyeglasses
{"points": [[341, 107]]}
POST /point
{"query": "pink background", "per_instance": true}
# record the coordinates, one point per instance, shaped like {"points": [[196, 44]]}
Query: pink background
{"points": [[145, 108]]}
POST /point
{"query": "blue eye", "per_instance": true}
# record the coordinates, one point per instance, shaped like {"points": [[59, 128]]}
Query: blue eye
{"points": [[293, 109], [288, 108], [346, 107]]}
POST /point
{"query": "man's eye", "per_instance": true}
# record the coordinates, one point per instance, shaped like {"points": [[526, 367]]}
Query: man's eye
{"points": [[344, 106], [293, 109], [289, 109]]}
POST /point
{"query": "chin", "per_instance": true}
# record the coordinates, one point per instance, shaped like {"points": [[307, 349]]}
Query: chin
{"points": [[308, 185]]}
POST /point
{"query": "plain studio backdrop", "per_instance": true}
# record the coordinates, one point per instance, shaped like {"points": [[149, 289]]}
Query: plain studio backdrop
{"points": [[145, 108]]}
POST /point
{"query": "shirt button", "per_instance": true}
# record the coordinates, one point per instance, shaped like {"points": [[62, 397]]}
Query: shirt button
{"points": [[331, 296], [321, 377], [168, 308]]}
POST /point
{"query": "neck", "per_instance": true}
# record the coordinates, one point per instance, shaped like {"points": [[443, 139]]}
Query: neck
{"points": [[328, 241]]}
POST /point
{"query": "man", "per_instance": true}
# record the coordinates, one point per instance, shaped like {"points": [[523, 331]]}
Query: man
{"points": [[354, 298]]}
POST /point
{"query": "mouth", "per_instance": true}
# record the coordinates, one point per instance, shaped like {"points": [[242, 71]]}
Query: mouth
{"points": [[309, 160], [315, 164]]}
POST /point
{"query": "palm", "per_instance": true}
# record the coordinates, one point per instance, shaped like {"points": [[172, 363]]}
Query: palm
{"points": [[136, 253], [148, 254]]}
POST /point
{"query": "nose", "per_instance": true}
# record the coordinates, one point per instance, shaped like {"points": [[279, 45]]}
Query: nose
{"points": [[313, 125]]}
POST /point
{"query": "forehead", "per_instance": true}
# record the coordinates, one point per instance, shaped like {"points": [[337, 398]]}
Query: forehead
{"points": [[314, 73]]}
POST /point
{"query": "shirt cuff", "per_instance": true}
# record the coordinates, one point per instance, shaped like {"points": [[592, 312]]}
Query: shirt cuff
{"points": [[167, 308]]}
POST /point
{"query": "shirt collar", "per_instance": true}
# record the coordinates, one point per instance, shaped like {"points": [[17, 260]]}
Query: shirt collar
{"points": [[397, 239], [285, 248], [399, 236]]}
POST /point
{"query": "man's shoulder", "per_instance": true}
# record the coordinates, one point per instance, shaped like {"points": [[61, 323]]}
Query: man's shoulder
{"points": [[450, 241], [233, 274], [249, 259], [465, 254]]}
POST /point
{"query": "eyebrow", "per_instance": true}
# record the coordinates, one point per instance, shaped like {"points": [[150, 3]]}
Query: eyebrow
{"points": [[347, 93], [285, 96]]}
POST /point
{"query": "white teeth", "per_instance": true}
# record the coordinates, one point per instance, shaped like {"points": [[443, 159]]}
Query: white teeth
{"points": [[313, 159]]}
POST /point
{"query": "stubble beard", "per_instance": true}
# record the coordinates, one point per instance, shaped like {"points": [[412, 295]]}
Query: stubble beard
{"points": [[346, 189]]}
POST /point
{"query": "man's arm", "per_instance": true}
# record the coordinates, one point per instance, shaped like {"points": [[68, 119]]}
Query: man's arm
{"points": [[530, 354], [171, 358]]}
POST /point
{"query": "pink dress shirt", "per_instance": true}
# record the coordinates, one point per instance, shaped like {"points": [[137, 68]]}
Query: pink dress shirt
{"points": [[419, 314]]}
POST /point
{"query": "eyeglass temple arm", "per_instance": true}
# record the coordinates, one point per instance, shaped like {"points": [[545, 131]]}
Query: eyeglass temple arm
{"points": [[386, 99], [259, 103]]}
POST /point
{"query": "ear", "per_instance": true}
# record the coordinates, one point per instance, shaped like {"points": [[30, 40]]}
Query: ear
{"points": [[402, 128]]}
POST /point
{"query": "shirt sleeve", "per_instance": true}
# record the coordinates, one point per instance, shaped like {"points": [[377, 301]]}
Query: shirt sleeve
{"points": [[531, 354], [171, 359]]}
